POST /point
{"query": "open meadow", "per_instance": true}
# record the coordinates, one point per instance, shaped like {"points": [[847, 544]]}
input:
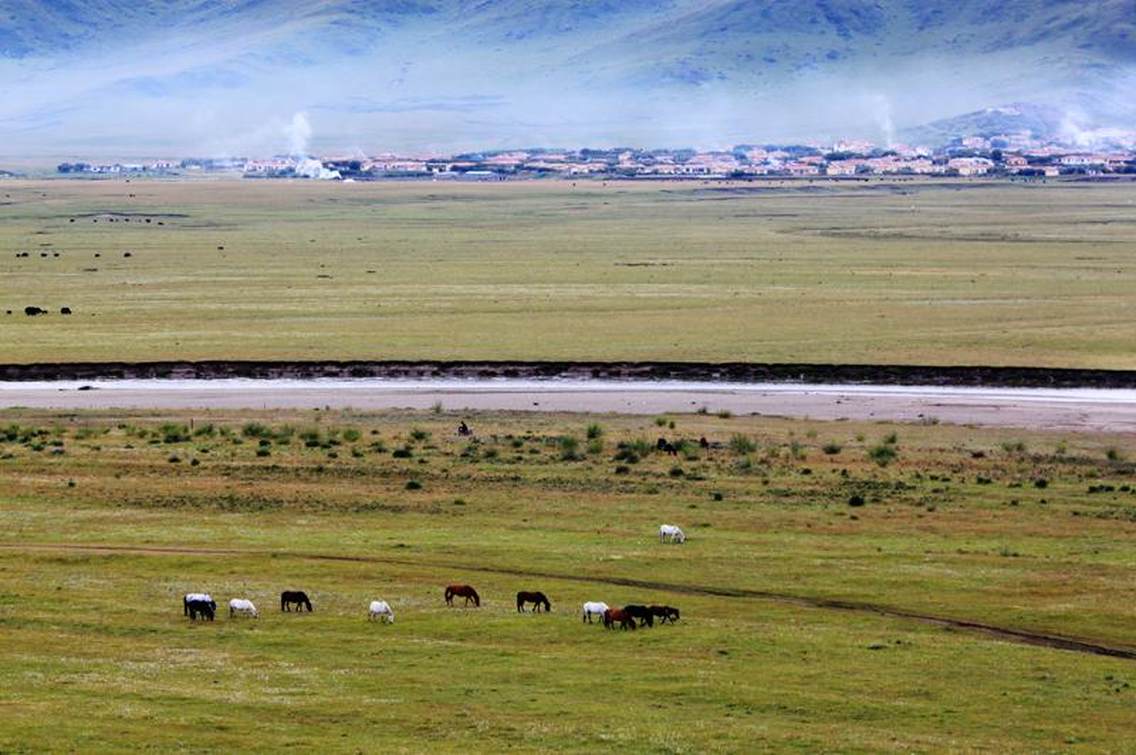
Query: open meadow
{"points": [[110, 517], [901, 271]]}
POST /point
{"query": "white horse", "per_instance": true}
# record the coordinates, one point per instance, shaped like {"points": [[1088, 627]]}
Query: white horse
{"points": [[671, 532], [242, 606], [593, 608], [380, 609]]}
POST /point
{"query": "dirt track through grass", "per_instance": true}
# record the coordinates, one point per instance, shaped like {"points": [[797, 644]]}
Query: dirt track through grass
{"points": [[1007, 634]]}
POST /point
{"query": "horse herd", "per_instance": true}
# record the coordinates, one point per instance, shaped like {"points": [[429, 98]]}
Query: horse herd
{"points": [[200, 605]]}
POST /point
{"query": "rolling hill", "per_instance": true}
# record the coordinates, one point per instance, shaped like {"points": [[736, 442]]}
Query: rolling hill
{"points": [[111, 75]]}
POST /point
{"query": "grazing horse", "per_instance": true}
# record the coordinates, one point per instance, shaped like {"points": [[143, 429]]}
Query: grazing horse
{"points": [[297, 598], [646, 618], [190, 597], [462, 591], [593, 608], [536, 598], [242, 606], [665, 613], [381, 610], [613, 615], [671, 532], [206, 609]]}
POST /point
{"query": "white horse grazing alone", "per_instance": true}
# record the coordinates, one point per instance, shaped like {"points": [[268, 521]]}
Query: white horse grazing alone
{"points": [[593, 608], [242, 606], [671, 532], [380, 609]]}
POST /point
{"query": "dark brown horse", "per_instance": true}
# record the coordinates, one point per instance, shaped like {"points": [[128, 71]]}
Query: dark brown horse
{"points": [[618, 615], [297, 598], [665, 613], [462, 591], [536, 598], [644, 614]]}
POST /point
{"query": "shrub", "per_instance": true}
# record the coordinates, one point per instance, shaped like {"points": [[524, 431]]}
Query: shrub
{"points": [[742, 444], [1041, 483], [351, 435], [437, 407], [891, 439], [677, 472], [594, 431], [856, 500], [832, 448], [402, 452], [716, 496], [205, 431], [660, 421], [256, 430], [413, 485], [595, 446], [419, 434], [883, 454], [1113, 454], [623, 469], [262, 452], [490, 453], [1014, 447], [796, 450], [172, 432], [378, 446], [725, 414], [569, 448]]}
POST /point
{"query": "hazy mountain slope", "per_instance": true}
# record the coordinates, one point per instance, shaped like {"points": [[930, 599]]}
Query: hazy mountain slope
{"points": [[214, 74]]}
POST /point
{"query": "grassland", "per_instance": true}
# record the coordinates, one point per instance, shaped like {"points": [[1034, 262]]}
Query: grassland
{"points": [[1031, 531], [907, 272]]}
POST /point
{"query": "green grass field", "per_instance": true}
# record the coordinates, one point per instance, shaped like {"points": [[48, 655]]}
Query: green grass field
{"points": [[1030, 531], [952, 272]]}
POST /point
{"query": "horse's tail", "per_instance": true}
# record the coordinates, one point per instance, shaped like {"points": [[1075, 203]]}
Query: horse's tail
{"points": [[520, 601], [449, 594]]}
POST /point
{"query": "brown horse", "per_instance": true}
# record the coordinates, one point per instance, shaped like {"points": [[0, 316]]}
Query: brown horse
{"points": [[462, 591], [536, 598], [613, 615]]}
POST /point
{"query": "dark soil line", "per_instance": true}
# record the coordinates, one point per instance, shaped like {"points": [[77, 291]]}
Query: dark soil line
{"points": [[719, 372], [1002, 633]]}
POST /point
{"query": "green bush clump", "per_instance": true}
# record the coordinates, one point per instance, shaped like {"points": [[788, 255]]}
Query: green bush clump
{"points": [[832, 448], [742, 444]]}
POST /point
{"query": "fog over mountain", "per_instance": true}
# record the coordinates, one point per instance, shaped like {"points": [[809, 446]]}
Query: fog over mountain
{"points": [[227, 77]]}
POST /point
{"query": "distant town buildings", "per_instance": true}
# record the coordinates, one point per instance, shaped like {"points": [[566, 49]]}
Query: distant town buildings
{"points": [[1013, 154]]}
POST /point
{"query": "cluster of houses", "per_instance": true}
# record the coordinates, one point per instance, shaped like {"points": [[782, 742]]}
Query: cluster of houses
{"points": [[1005, 155]]}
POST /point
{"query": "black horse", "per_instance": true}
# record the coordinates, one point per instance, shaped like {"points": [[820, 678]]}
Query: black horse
{"points": [[665, 613], [297, 598], [643, 613], [536, 598], [206, 609]]}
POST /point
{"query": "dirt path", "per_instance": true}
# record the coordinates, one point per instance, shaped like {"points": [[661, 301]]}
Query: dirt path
{"points": [[1067, 409], [1006, 634]]}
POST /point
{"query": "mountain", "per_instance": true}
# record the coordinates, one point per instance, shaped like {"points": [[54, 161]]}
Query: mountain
{"points": [[228, 75]]}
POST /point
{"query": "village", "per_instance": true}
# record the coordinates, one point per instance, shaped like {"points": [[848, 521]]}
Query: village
{"points": [[1015, 154]]}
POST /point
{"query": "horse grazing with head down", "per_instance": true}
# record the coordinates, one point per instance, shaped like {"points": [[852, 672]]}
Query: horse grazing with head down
{"points": [[618, 615], [593, 608], [671, 532], [538, 599], [206, 609], [381, 610], [462, 591], [297, 598], [646, 618], [192, 596], [665, 613], [242, 606]]}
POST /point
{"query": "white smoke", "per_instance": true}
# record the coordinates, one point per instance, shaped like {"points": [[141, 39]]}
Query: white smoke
{"points": [[881, 110], [299, 133]]}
